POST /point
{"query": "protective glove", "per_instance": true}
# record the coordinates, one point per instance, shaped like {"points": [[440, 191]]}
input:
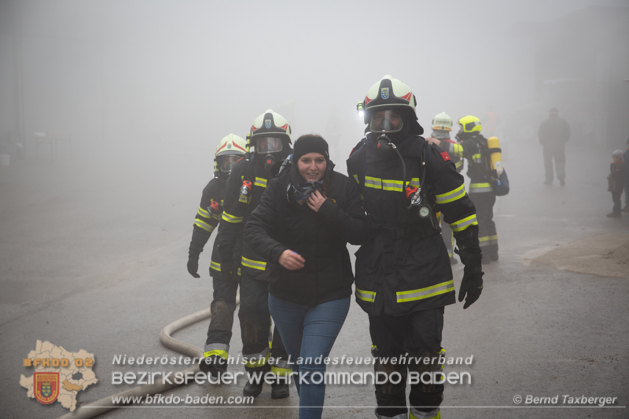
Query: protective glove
{"points": [[472, 283], [193, 265]]}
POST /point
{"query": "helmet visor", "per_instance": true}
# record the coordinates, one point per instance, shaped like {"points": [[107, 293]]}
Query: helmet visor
{"points": [[386, 121], [226, 163], [265, 145]]}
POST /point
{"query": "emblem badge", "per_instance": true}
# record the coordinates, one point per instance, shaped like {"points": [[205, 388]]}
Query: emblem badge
{"points": [[267, 123], [384, 93], [46, 386]]}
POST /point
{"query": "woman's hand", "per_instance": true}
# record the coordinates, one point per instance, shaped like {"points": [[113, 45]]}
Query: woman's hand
{"points": [[291, 260], [315, 200]]}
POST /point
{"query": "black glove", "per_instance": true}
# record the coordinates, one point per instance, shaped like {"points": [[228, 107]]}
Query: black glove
{"points": [[472, 283], [193, 265]]}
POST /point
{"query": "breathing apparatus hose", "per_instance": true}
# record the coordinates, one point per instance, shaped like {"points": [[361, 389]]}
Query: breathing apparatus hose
{"points": [[106, 404]]}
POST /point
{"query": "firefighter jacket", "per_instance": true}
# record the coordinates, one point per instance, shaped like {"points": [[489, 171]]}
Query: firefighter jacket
{"points": [[458, 161], [406, 267], [279, 223], [236, 211], [206, 220], [475, 150]]}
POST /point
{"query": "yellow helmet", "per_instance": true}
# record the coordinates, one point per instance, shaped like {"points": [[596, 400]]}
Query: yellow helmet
{"points": [[469, 124]]}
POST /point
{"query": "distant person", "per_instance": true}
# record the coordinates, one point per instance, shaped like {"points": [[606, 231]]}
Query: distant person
{"points": [[553, 134], [616, 179], [626, 159], [302, 225]]}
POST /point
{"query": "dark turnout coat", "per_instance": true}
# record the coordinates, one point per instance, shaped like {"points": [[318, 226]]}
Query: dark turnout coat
{"points": [[278, 223]]}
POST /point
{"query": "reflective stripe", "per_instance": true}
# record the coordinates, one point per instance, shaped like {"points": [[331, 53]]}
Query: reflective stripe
{"points": [[244, 199], [464, 223], [254, 264], [453, 195], [202, 224], [260, 182], [232, 218], [203, 213], [281, 372], [400, 416], [487, 240], [455, 150], [368, 296], [218, 349], [415, 182], [216, 352], [356, 179], [423, 293], [216, 266], [477, 158], [480, 187], [373, 182], [392, 185], [418, 414], [257, 360], [458, 164]]}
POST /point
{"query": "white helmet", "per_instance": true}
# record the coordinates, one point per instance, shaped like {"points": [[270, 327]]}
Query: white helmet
{"points": [[269, 131], [229, 151], [442, 121], [390, 95]]}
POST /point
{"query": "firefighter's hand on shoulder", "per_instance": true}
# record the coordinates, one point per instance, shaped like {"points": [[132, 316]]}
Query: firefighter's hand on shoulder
{"points": [[193, 265], [472, 283]]}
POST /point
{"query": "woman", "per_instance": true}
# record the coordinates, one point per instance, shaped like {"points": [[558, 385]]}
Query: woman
{"points": [[302, 225]]}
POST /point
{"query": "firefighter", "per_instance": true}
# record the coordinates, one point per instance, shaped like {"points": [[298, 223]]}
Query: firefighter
{"points": [[270, 137], [473, 147], [403, 277], [229, 151], [441, 128]]}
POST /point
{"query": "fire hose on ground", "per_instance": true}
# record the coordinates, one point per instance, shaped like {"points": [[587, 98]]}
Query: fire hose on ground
{"points": [[106, 404]]}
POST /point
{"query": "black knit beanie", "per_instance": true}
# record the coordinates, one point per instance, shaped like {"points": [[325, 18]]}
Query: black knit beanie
{"points": [[310, 144]]}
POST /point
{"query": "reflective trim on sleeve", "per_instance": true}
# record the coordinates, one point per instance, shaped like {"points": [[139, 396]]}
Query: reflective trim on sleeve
{"points": [[480, 187], [232, 218], [373, 182], [455, 150], [464, 223], [453, 195], [415, 182], [368, 296], [356, 179], [423, 293], [202, 224], [254, 264], [458, 164], [203, 213], [215, 265], [260, 182]]}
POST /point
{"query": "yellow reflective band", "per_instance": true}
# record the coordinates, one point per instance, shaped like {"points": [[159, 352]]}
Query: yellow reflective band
{"points": [[260, 182], [202, 224], [239, 272], [203, 213], [216, 266], [244, 199], [451, 196], [458, 164], [356, 179], [373, 182], [392, 185], [232, 218], [281, 372], [257, 362], [455, 149], [254, 264], [216, 352], [479, 185], [418, 414], [476, 156], [423, 293], [464, 223], [415, 182], [368, 296], [485, 240]]}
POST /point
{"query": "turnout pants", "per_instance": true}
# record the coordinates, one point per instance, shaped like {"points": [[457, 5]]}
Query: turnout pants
{"points": [[223, 305], [487, 235], [409, 338], [255, 329]]}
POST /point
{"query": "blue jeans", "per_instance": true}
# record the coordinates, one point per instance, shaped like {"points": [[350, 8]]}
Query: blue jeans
{"points": [[309, 332]]}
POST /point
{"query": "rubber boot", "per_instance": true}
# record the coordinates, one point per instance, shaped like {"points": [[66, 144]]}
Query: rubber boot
{"points": [[252, 389], [279, 391], [214, 365]]}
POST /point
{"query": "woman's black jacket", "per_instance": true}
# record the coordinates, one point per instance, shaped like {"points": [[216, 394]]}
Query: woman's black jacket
{"points": [[278, 223]]}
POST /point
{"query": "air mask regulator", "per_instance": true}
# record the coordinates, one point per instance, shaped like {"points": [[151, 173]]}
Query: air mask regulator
{"points": [[385, 147]]}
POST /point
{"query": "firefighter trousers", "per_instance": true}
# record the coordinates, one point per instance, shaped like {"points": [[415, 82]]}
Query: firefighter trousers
{"points": [[487, 235], [408, 339]]}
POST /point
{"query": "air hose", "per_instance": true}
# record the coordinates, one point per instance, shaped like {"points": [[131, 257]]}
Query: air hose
{"points": [[105, 404]]}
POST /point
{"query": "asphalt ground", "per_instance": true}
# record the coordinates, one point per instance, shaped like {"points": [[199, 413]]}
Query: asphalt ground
{"points": [[93, 249]]}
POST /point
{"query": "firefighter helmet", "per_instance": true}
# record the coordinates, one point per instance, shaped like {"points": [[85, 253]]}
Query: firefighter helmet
{"points": [[442, 122], [469, 124], [390, 94], [229, 151], [269, 131]]}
